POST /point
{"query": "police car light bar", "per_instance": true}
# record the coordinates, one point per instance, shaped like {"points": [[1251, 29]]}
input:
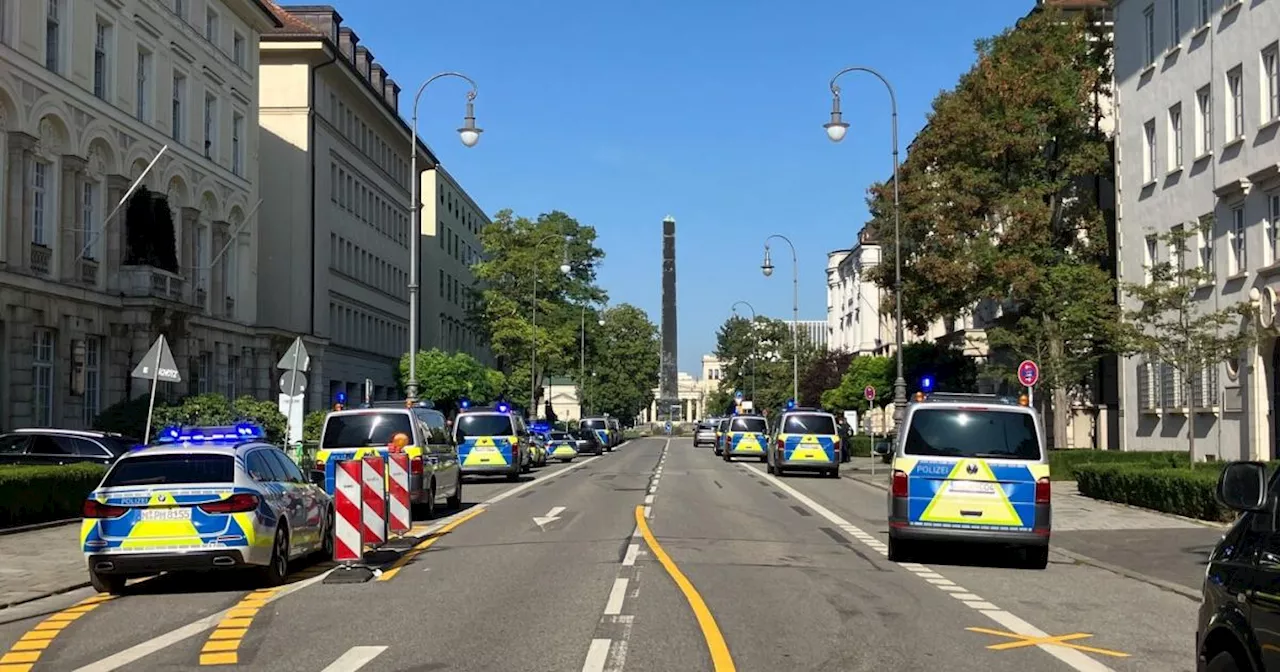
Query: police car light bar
{"points": [[503, 408], [225, 434]]}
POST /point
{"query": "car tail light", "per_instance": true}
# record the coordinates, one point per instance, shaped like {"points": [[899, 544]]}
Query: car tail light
{"points": [[899, 483], [782, 444], [94, 509], [415, 465], [1043, 491], [239, 503], [319, 465]]}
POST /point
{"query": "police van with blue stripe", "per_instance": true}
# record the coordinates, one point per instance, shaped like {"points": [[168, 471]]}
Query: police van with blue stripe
{"points": [[807, 439], [969, 468]]}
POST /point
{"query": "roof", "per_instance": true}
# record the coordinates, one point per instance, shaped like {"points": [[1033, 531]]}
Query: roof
{"points": [[288, 24]]}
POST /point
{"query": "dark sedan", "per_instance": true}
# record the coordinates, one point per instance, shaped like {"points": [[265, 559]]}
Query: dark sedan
{"points": [[62, 446]]}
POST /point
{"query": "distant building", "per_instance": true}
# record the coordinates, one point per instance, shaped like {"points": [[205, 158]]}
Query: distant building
{"points": [[451, 226], [562, 392]]}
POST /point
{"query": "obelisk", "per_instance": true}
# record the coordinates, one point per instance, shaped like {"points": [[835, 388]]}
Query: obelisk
{"points": [[668, 390]]}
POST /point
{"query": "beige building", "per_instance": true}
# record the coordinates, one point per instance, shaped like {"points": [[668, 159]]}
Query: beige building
{"points": [[335, 169], [451, 226], [89, 93], [562, 392]]}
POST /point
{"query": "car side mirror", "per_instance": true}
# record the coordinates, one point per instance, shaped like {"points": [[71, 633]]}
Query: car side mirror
{"points": [[1243, 486], [881, 448]]}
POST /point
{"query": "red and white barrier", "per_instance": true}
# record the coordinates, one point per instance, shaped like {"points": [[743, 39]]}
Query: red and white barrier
{"points": [[401, 517], [348, 506], [374, 495]]}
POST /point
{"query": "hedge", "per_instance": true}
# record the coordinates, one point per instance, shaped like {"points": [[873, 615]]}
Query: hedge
{"points": [[38, 494], [1064, 463], [1185, 492]]}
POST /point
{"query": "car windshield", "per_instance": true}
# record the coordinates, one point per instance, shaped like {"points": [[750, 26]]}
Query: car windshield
{"points": [[360, 430], [483, 424], [954, 432], [750, 425], [594, 424], [175, 469], [809, 423]]}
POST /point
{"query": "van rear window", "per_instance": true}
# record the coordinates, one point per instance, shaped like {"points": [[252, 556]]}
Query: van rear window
{"points": [[594, 424], [172, 469], [483, 424], [362, 430], [953, 432], [749, 425], [806, 423]]}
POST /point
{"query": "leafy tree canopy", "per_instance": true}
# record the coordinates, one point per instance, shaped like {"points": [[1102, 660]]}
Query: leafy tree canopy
{"points": [[755, 358], [447, 378], [216, 409], [625, 355], [825, 370], [848, 395]]}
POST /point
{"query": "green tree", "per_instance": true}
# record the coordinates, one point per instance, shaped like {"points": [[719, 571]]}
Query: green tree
{"points": [[215, 409], [948, 366], [824, 371], [877, 372], [516, 251], [1173, 326], [756, 359], [1001, 196], [447, 378], [625, 357], [313, 425]]}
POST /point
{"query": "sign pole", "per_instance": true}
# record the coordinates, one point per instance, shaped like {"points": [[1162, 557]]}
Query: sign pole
{"points": [[155, 366], [870, 393], [151, 405]]}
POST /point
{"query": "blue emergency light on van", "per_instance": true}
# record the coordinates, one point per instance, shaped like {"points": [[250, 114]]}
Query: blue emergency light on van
{"points": [[464, 404], [503, 407], [225, 434], [926, 384]]}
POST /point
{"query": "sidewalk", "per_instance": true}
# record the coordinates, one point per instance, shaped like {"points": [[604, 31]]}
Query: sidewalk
{"points": [[1146, 545], [39, 563]]}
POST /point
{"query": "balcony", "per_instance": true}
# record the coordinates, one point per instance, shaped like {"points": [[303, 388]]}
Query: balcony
{"points": [[230, 307], [200, 296], [89, 272], [149, 282], [41, 259]]}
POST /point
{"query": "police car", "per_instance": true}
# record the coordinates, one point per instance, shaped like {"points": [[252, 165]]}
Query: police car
{"points": [[969, 468], [203, 498], [747, 436], [602, 430], [493, 441], [807, 439]]}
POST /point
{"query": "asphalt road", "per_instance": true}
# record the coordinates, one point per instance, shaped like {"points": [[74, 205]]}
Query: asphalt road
{"points": [[560, 573]]}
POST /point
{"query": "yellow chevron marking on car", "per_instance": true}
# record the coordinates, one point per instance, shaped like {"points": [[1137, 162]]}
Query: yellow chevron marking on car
{"points": [[809, 450], [564, 450], [1038, 471], [959, 493], [484, 452], [748, 444], [26, 652]]}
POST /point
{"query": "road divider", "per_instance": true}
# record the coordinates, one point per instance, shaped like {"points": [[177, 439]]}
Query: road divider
{"points": [[223, 645], [408, 556], [24, 653]]}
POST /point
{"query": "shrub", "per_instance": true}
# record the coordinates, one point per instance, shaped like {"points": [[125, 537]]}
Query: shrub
{"points": [[128, 417], [38, 494], [1064, 463], [215, 409], [313, 425], [1185, 492]]}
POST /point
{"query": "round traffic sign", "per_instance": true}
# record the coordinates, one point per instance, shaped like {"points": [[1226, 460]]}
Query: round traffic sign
{"points": [[738, 395], [869, 392], [1028, 373]]}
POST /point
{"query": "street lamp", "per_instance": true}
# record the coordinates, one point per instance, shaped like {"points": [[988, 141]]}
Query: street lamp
{"points": [[582, 364], [836, 129], [756, 344], [469, 135], [533, 337], [767, 268]]}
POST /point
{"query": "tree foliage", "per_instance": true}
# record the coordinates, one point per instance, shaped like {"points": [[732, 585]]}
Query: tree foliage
{"points": [[848, 394], [625, 353], [447, 378], [824, 371], [756, 359], [215, 409], [519, 252]]}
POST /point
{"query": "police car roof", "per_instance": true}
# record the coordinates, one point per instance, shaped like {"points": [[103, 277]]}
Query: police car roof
{"points": [[805, 409], [195, 447], [954, 399], [486, 409]]}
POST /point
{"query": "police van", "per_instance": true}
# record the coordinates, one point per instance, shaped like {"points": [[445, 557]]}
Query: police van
{"points": [[807, 439], [969, 468], [746, 436], [493, 441], [601, 430]]}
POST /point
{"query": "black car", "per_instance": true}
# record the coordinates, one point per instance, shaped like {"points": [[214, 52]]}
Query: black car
{"points": [[1239, 623], [587, 441], [62, 446]]}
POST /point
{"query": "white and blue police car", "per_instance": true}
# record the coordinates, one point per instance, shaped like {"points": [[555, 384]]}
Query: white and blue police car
{"points": [[203, 498]]}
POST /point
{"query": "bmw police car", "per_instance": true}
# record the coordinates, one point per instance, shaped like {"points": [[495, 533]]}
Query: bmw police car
{"points": [[203, 498], [562, 446], [970, 468]]}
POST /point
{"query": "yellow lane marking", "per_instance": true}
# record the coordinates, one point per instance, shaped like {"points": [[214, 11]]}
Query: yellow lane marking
{"points": [[24, 653], [223, 645], [721, 661], [424, 545], [1021, 641]]}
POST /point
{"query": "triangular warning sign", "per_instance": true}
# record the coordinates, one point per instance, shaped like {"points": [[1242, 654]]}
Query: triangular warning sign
{"points": [[158, 364]]}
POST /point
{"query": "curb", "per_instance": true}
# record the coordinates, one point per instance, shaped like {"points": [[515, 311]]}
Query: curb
{"points": [[36, 526], [52, 593], [1170, 586]]}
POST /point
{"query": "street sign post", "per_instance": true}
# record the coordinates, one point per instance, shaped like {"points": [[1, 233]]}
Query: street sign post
{"points": [[293, 384], [869, 392], [1029, 375], [156, 365]]}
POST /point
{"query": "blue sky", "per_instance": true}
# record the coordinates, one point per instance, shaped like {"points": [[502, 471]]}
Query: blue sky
{"points": [[622, 112]]}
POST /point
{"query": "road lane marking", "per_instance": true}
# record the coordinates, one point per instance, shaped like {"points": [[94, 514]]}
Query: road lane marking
{"points": [[721, 661], [648, 499], [1073, 657], [355, 658], [537, 480], [423, 545], [25, 652], [630, 558], [619, 593], [597, 655], [1021, 641], [223, 645]]}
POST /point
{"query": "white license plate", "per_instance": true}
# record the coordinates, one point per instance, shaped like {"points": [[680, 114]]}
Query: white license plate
{"points": [[485, 449], [973, 487], [173, 513]]}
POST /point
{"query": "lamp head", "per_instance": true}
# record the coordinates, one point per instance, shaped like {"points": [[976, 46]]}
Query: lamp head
{"points": [[836, 128], [767, 266], [565, 268], [469, 133]]}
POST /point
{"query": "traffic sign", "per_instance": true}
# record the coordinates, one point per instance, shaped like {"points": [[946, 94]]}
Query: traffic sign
{"points": [[293, 383], [869, 392], [158, 364], [1028, 373], [738, 395], [295, 357]]}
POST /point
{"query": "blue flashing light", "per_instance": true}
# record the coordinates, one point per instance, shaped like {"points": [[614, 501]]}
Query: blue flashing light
{"points": [[926, 383], [503, 408], [465, 404], [791, 403], [340, 398], [224, 434]]}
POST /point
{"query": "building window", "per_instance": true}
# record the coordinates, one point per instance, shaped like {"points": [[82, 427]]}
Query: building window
{"points": [[1239, 262], [201, 263], [204, 373], [238, 52], [233, 376], [1175, 22], [1203, 13], [211, 26], [142, 83], [1149, 34], [1150, 258], [231, 271], [42, 374], [89, 217], [1175, 137], [177, 105], [1273, 226], [92, 379], [1235, 118], [39, 202], [1149, 152], [4, 21], [1204, 122], [180, 8], [210, 124], [1206, 245], [1270, 85], [101, 58], [53, 35], [237, 146]]}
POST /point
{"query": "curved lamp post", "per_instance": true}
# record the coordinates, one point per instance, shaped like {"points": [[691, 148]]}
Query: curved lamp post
{"points": [[767, 268], [533, 336], [469, 134], [836, 129], [582, 363], [755, 345]]}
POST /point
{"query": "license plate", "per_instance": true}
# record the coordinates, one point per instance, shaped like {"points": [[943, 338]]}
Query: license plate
{"points": [[173, 513], [973, 487], [485, 449]]}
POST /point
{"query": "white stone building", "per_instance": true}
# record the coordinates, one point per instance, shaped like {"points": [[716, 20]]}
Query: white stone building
{"points": [[1198, 100], [451, 226], [89, 93]]}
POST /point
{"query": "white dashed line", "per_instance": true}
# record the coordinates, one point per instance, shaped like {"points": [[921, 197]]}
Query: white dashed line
{"points": [[633, 551], [1077, 660], [597, 655], [619, 593], [355, 658], [648, 499]]}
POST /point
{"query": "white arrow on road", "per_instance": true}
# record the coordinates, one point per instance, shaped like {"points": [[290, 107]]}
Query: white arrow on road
{"points": [[552, 516]]}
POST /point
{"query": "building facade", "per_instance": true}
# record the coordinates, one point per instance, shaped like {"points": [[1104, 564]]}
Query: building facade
{"points": [[451, 226], [90, 92], [334, 262], [1198, 106], [854, 322]]}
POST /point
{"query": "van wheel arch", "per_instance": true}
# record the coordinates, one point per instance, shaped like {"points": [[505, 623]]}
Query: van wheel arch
{"points": [[1224, 640]]}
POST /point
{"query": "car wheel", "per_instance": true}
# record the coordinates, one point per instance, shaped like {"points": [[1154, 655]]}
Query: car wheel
{"points": [[277, 571], [110, 584], [764, 459], [1223, 662], [1037, 557], [899, 550], [430, 504], [455, 500], [327, 541]]}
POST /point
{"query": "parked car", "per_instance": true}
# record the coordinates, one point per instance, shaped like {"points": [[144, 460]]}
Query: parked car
{"points": [[706, 433], [48, 446]]}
